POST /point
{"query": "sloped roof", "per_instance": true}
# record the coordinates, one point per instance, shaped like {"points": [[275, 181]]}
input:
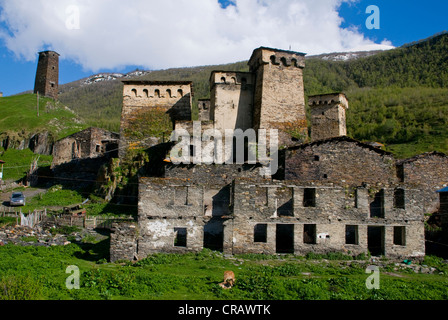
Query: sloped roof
{"points": [[341, 139], [421, 156]]}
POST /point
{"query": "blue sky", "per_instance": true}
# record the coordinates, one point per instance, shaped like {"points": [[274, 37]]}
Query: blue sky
{"points": [[112, 36]]}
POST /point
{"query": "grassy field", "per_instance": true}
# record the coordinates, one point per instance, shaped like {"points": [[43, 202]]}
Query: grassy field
{"points": [[19, 114], [39, 273]]}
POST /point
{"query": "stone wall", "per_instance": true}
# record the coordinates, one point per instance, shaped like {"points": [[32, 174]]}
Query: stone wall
{"points": [[212, 174], [171, 216], [150, 111], [204, 109], [342, 161], [429, 173], [47, 74], [123, 241], [328, 118], [322, 226], [89, 143], [279, 101], [265, 216], [231, 99]]}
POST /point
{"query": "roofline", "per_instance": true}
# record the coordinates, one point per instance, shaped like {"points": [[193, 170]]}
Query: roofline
{"points": [[155, 82], [422, 155], [341, 138], [46, 51], [281, 50]]}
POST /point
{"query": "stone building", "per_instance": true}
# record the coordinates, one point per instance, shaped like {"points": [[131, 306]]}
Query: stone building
{"points": [[149, 104], [328, 116], [79, 157], [274, 217], [428, 172], [204, 109], [330, 194], [47, 74], [89, 143]]}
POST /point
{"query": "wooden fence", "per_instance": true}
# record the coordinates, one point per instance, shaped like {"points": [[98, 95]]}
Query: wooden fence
{"points": [[29, 220]]}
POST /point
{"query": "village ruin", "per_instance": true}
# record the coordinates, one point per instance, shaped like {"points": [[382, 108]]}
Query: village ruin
{"points": [[331, 193]]}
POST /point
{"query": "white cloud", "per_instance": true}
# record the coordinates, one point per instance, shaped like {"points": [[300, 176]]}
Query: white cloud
{"points": [[174, 33]]}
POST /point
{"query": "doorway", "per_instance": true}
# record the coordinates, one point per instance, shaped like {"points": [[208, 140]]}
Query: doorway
{"points": [[284, 238], [375, 240]]}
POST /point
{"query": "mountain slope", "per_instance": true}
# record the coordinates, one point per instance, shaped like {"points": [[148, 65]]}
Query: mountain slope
{"points": [[19, 114]]}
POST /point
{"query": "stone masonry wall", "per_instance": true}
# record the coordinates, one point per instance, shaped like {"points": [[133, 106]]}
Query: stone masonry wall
{"points": [[333, 210], [271, 217], [427, 172], [279, 101], [150, 110], [328, 118], [231, 99], [47, 74], [123, 241], [89, 143], [342, 161]]}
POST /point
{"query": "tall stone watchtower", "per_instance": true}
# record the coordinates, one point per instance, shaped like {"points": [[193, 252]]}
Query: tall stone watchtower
{"points": [[47, 74], [328, 116], [279, 99]]}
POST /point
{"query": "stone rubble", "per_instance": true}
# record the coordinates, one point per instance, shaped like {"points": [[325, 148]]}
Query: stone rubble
{"points": [[38, 236]]}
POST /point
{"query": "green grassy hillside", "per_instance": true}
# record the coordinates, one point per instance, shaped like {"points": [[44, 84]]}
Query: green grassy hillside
{"points": [[18, 114]]}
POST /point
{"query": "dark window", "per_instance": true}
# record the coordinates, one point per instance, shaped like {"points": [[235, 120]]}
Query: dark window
{"points": [[351, 234], [309, 197], [377, 205], [283, 60], [294, 62], [400, 236], [284, 238], [399, 198], [316, 158], [168, 93], [180, 92], [157, 93], [180, 237], [400, 172], [260, 233], [309, 233]]}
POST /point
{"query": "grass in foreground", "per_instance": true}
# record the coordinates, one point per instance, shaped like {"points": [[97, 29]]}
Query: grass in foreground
{"points": [[40, 273]]}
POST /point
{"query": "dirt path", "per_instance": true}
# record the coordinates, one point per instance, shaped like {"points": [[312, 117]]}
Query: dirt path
{"points": [[28, 192]]}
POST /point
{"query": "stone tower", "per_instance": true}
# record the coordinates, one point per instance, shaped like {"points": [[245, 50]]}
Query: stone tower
{"points": [[279, 99], [231, 99], [328, 118], [47, 74]]}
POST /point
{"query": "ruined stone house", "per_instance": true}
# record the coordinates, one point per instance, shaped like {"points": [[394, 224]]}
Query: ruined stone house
{"points": [[331, 194], [80, 155]]}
